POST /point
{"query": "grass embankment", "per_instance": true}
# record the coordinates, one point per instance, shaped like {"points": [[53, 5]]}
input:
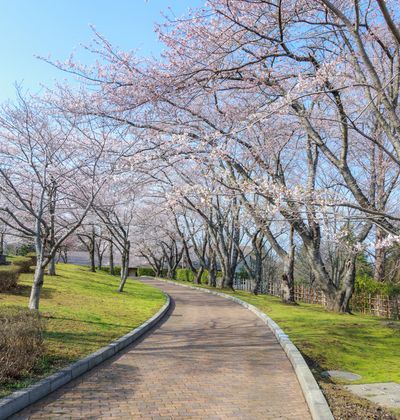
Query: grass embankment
{"points": [[82, 311], [366, 345]]}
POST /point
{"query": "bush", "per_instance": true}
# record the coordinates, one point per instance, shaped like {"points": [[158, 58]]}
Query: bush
{"points": [[367, 285], [21, 342], [205, 277], [148, 271], [117, 270], [23, 263], [184, 274], [9, 275], [25, 249], [145, 271], [33, 257], [243, 274]]}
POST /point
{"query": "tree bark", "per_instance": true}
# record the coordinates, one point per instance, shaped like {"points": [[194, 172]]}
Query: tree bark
{"points": [[288, 272], [52, 267], [288, 288], [1, 243], [124, 268], [212, 271], [380, 257], [36, 286], [112, 268], [197, 279], [92, 251], [99, 259], [227, 276], [52, 208], [339, 301]]}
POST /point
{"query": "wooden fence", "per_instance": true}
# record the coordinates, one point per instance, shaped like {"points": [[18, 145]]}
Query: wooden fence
{"points": [[377, 305]]}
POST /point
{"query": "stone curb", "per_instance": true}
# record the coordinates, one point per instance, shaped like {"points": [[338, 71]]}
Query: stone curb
{"points": [[21, 399], [313, 395]]}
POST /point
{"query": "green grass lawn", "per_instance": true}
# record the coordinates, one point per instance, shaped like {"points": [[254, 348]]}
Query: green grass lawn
{"points": [[366, 345], [83, 311]]}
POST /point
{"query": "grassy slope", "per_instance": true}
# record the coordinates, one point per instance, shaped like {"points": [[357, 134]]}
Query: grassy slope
{"points": [[83, 311], [366, 345]]}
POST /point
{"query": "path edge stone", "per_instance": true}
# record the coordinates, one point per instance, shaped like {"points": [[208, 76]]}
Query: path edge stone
{"points": [[317, 404], [19, 400]]}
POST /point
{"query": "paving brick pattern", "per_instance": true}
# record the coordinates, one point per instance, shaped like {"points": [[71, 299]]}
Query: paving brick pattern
{"points": [[210, 359]]}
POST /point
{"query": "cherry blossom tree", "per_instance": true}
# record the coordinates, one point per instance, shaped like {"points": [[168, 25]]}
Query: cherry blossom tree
{"points": [[49, 177], [287, 111]]}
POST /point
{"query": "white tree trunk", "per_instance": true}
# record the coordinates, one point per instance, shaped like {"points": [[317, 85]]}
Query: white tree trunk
{"points": [[124, 269], [36, 287]]}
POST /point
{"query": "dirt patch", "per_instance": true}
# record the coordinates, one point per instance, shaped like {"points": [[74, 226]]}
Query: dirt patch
{"points": [[346, 406]]}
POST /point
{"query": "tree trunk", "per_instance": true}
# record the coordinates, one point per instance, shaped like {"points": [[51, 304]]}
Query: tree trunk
{"points": [[124, 268], [158, 271], [288, 272], [197, 279], [124, 276], [92, 251], [380, 257], [287, 288], [337, 297], [227, 277], [52, 208], [112, 268], [171, 270], [92, 260], [36, 286], [1, 243], [99, 259], [52, 267], [339, 301], [212, 270], [257, 276], [257, 273]]}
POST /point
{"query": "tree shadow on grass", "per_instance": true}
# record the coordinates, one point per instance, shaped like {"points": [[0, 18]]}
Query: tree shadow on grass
{"points": [[84, 338], [84, 321], [25, 291]]}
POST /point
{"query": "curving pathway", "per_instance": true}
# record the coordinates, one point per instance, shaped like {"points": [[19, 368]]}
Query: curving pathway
{"points": [[209, 359]]}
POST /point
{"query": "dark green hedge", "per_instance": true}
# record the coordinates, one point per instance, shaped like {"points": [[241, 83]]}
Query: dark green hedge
{"points": [[148, 271], [24, 263], [184, 274], [145, 271], [9, 275]]}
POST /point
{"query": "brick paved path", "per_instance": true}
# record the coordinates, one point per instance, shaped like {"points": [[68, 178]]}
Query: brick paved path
{"points": [[210, 359]]}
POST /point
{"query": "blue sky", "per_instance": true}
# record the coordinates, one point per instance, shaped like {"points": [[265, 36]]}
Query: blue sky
{"points": [[58, 27]]}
